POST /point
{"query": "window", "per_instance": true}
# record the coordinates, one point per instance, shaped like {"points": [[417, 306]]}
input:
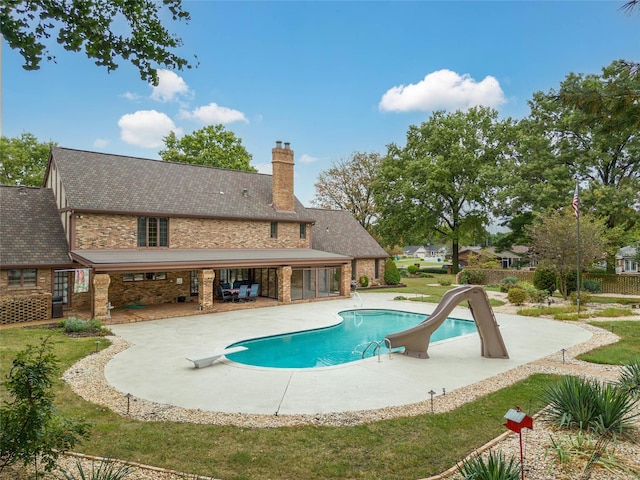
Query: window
{"points": [[377, 268], [303, 230], [25, 277], [274, 229], [193, 283], [61, 286], [353, 269], [153, 232], [139, 277]]}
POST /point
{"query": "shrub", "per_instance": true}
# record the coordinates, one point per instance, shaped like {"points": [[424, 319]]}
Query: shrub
{"points": [[412, 269], [584, 298], [106, 470], [538, 296], [444, 283], [471, 277], [629, 380], [545, 279], [507, 283], [391, 273], [363, 281], [592, 286], [79, 325], [495, 466], [588, 405], [438, 270], [31, 426], [517, 296]]}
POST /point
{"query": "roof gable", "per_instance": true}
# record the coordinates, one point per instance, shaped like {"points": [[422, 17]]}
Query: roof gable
{"points": [[114, 183], [32, 233]]}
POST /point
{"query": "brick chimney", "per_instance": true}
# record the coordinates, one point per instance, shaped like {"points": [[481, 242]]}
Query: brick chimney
{"points": [[282, 177]]}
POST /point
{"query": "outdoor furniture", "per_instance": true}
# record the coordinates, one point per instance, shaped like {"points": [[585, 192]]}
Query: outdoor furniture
{"points": [[200, 361], [226, 286], [243, 293], [253, 292], [236, 284], [225, 295]]}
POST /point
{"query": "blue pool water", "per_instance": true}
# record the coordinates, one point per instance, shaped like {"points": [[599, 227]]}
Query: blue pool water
{"points": [[341, 343]]}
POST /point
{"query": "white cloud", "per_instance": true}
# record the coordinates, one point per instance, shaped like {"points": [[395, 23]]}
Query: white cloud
{"points": [[214, 114], [263, 168], [134, 97], [307, 159], [100, 143], [170, 86], [146, 128], [443, 89]]}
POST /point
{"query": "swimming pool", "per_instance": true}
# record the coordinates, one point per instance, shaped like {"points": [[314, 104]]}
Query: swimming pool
{"points": [[342, 343]]}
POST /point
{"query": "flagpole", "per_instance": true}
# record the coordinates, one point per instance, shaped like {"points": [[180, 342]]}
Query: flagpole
{"points": [[576, 210]]}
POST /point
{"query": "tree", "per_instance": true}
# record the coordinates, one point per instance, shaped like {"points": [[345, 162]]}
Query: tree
{"points": [[592, 125], [23, 160], [93, 26], [30, 425], [212, 146], [554, 240], [444, 179], [347, 185]]}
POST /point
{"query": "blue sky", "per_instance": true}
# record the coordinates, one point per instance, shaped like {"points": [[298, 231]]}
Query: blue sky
{"points": [[332, 78]]}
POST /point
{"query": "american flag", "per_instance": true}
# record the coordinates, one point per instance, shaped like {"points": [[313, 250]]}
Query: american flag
{"points": [[575, 202]]}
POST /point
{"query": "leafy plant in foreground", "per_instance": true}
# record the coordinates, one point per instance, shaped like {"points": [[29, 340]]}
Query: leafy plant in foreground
{"points": [[495, 466], [629, 380], [588, 405], [30, 425], [106, 470]]}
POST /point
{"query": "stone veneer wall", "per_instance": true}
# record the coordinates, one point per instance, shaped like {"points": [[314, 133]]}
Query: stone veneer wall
{"points": [[95, 231]]}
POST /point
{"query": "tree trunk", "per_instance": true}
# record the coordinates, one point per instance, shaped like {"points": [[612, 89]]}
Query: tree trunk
{"points": [[455, 247]]}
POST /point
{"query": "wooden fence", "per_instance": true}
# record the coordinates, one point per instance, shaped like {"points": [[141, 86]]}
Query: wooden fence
{"points": [[610, 283]]}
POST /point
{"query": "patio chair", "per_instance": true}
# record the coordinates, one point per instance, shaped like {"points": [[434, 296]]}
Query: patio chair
{"points": [[226, 296], [242, 295], [226, 286], [236, 284], [253, 293]]}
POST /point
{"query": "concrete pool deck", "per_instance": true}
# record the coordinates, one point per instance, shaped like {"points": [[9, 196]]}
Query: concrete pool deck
{"points": [[154, 368]]}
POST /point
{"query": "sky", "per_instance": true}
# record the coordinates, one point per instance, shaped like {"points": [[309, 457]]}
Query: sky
{"points": [[332, 78]]}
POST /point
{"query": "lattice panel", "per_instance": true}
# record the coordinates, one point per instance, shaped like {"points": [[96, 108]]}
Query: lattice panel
{"points": [[25, 308]]}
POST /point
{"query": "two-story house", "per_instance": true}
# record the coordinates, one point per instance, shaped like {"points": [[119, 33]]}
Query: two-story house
{"points": [[138, 231]]}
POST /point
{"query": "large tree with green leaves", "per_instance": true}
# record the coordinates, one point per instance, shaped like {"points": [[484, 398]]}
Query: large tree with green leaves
{"points": [[445, 178], [554, 241], [212, 146], [107, 30], [592, 134], [23, 160], [347, 185]]}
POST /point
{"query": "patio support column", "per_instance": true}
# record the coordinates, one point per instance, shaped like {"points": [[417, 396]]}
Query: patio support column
{"points": [[100, 297], [284, 284], [345, 280], [205, 289]]}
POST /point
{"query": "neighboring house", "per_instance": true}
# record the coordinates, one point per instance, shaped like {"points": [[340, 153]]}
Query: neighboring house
{"points": [[516, 257], [150, 232], [426, 252], [414, 251], [626, 263]]}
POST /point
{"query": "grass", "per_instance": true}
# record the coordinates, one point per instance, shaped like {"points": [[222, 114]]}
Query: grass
{"points": [[380, 450], [618, 353]]}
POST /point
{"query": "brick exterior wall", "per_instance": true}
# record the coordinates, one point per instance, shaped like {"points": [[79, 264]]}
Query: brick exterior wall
{"points": [[44, 279], [148, 292], [26, 304], [120, 231], [367, 266]]}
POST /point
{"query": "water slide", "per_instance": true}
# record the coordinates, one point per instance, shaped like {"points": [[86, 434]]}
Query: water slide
{"points": [[415, 340]]}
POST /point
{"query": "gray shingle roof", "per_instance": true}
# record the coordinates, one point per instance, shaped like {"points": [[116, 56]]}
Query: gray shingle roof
{"points": [[113, 183], [337, 231], [31, 231]]}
